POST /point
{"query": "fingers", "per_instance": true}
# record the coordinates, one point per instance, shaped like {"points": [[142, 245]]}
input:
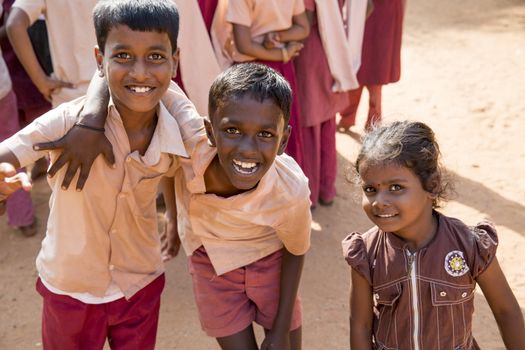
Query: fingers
{"points": [[48, 146], [109, 156], [84, 173], [70, 174], [24, 181], [58, 164], [7, 170]]}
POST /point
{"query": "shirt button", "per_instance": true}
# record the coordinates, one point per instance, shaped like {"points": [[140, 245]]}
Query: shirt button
{"points": [[113, 231], [464, 294], [128, 159], [122, 196], [443, 294], [111, 267]]}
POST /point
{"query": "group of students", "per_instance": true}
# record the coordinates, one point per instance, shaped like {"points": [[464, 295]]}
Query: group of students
{"points": [[238, 205]]}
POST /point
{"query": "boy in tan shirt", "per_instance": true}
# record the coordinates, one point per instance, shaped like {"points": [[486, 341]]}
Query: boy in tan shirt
{"points": [[100, 268]]}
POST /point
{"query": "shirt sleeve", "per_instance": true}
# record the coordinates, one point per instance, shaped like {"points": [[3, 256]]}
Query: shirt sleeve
{"points": [[485, 246], [33, 8], [294, 228], [49, 127], [191, 124], [354, 251], [298, 7], [238, 12]]}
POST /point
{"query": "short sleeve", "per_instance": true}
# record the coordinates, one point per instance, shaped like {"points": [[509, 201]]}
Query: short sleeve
{"points": [[49, 127], [238, 12], [485, 246], [295, 228], [33, 8], [354, 251], [298, 7]]}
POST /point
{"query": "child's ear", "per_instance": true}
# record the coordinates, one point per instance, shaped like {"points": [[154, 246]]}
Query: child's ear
{"points": [[209, 132], [284, 140], [99, 56], [175, 57]]}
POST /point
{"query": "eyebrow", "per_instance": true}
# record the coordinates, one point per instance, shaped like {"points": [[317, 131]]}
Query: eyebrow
{"points": [[151, 48]]}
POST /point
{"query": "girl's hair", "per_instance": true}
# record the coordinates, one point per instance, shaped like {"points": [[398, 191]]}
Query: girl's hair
{"points": [[410, 144]]}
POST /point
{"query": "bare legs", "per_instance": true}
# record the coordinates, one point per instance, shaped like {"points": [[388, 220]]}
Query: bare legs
{"points": [[245, 340], [374, 107]]}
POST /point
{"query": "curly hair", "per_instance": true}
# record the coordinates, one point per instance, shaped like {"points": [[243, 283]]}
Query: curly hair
{"points": [[410, 144]]}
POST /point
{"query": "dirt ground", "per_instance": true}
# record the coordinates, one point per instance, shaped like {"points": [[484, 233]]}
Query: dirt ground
{"points": [[463, 73]]}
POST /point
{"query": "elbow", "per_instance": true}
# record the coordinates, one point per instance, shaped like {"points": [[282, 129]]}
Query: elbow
{"points": [[244, 48], [306, 32]]}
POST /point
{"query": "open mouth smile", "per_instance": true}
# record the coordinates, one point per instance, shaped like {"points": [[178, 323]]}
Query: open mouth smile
{"points": [[385, 216], [245, 168], [140, 89]]}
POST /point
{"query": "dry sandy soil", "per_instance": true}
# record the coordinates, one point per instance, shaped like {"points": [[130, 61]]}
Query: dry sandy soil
{"points": [[463, 73]]}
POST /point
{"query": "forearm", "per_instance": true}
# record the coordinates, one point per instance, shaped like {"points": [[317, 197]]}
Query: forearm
{"points": [[512, 328], [299, 30], [360, 337], [167, 188], [97, 100], [247, 46], [17, 24], [291, 269]]}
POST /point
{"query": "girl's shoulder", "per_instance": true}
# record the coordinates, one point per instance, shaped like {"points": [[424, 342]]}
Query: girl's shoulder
{"points": [[358, 248], [478, 242]]}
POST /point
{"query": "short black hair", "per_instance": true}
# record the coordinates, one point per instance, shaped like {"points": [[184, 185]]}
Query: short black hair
{"points": [[255, 80], [160, 16]]}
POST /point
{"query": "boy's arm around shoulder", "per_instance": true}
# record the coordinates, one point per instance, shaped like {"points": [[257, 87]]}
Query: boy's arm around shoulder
{"points": [[88, 130], [504, 305]]}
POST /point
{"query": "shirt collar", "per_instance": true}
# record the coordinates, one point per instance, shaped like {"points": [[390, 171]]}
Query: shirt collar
{"points": [[166, 138]]}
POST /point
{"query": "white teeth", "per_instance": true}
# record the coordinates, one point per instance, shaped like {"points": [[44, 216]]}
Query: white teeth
{"points": [[140, 89], [246, 168], [386, 215], [244, 165]]}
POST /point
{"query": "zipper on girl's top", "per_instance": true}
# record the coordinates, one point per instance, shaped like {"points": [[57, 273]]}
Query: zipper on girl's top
{"points": [[412, 268]]}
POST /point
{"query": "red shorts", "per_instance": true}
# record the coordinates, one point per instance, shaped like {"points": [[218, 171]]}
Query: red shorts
{"points": [[68, 323], [230, 302]]}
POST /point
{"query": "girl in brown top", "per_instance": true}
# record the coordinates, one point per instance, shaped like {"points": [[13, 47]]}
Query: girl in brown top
{"points": [[414, 274]]}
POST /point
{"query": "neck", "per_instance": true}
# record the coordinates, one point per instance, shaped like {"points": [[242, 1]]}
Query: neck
{"points": [[422, 235]]}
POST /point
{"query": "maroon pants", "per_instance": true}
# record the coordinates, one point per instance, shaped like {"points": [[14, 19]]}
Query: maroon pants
{"points": [[131, 324]]}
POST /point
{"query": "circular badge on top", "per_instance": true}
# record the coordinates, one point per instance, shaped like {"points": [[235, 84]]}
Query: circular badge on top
{"points": [[455, 263]]}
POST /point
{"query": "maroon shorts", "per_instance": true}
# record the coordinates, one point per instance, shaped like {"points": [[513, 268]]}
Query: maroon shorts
{"points": [[230, 302], [68, 323]]}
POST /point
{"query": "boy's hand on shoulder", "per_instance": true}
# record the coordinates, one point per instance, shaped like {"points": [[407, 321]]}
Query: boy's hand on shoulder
{"points": [[170, 241], [80, 147], [276, 340], [10, 182]]}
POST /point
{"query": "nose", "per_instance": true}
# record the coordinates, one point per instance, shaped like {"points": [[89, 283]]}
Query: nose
{"points": [[380, 201], [248, 146], [139, 70]]}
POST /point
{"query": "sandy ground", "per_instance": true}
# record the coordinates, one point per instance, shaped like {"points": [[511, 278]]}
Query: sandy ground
{"points": [[463, 72]]}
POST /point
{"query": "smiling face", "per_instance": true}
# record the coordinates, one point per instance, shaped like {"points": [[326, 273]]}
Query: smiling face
{"points": [[138, 67], [394, 199], [248, 135]]}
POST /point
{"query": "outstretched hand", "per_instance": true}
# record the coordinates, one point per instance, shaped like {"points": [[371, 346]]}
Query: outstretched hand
{"points": [[80, 147], [10, 182]]}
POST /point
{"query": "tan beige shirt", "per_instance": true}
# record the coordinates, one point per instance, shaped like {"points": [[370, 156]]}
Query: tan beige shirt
{"points": [[108, 231], [244, 228], [71, 41]]}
